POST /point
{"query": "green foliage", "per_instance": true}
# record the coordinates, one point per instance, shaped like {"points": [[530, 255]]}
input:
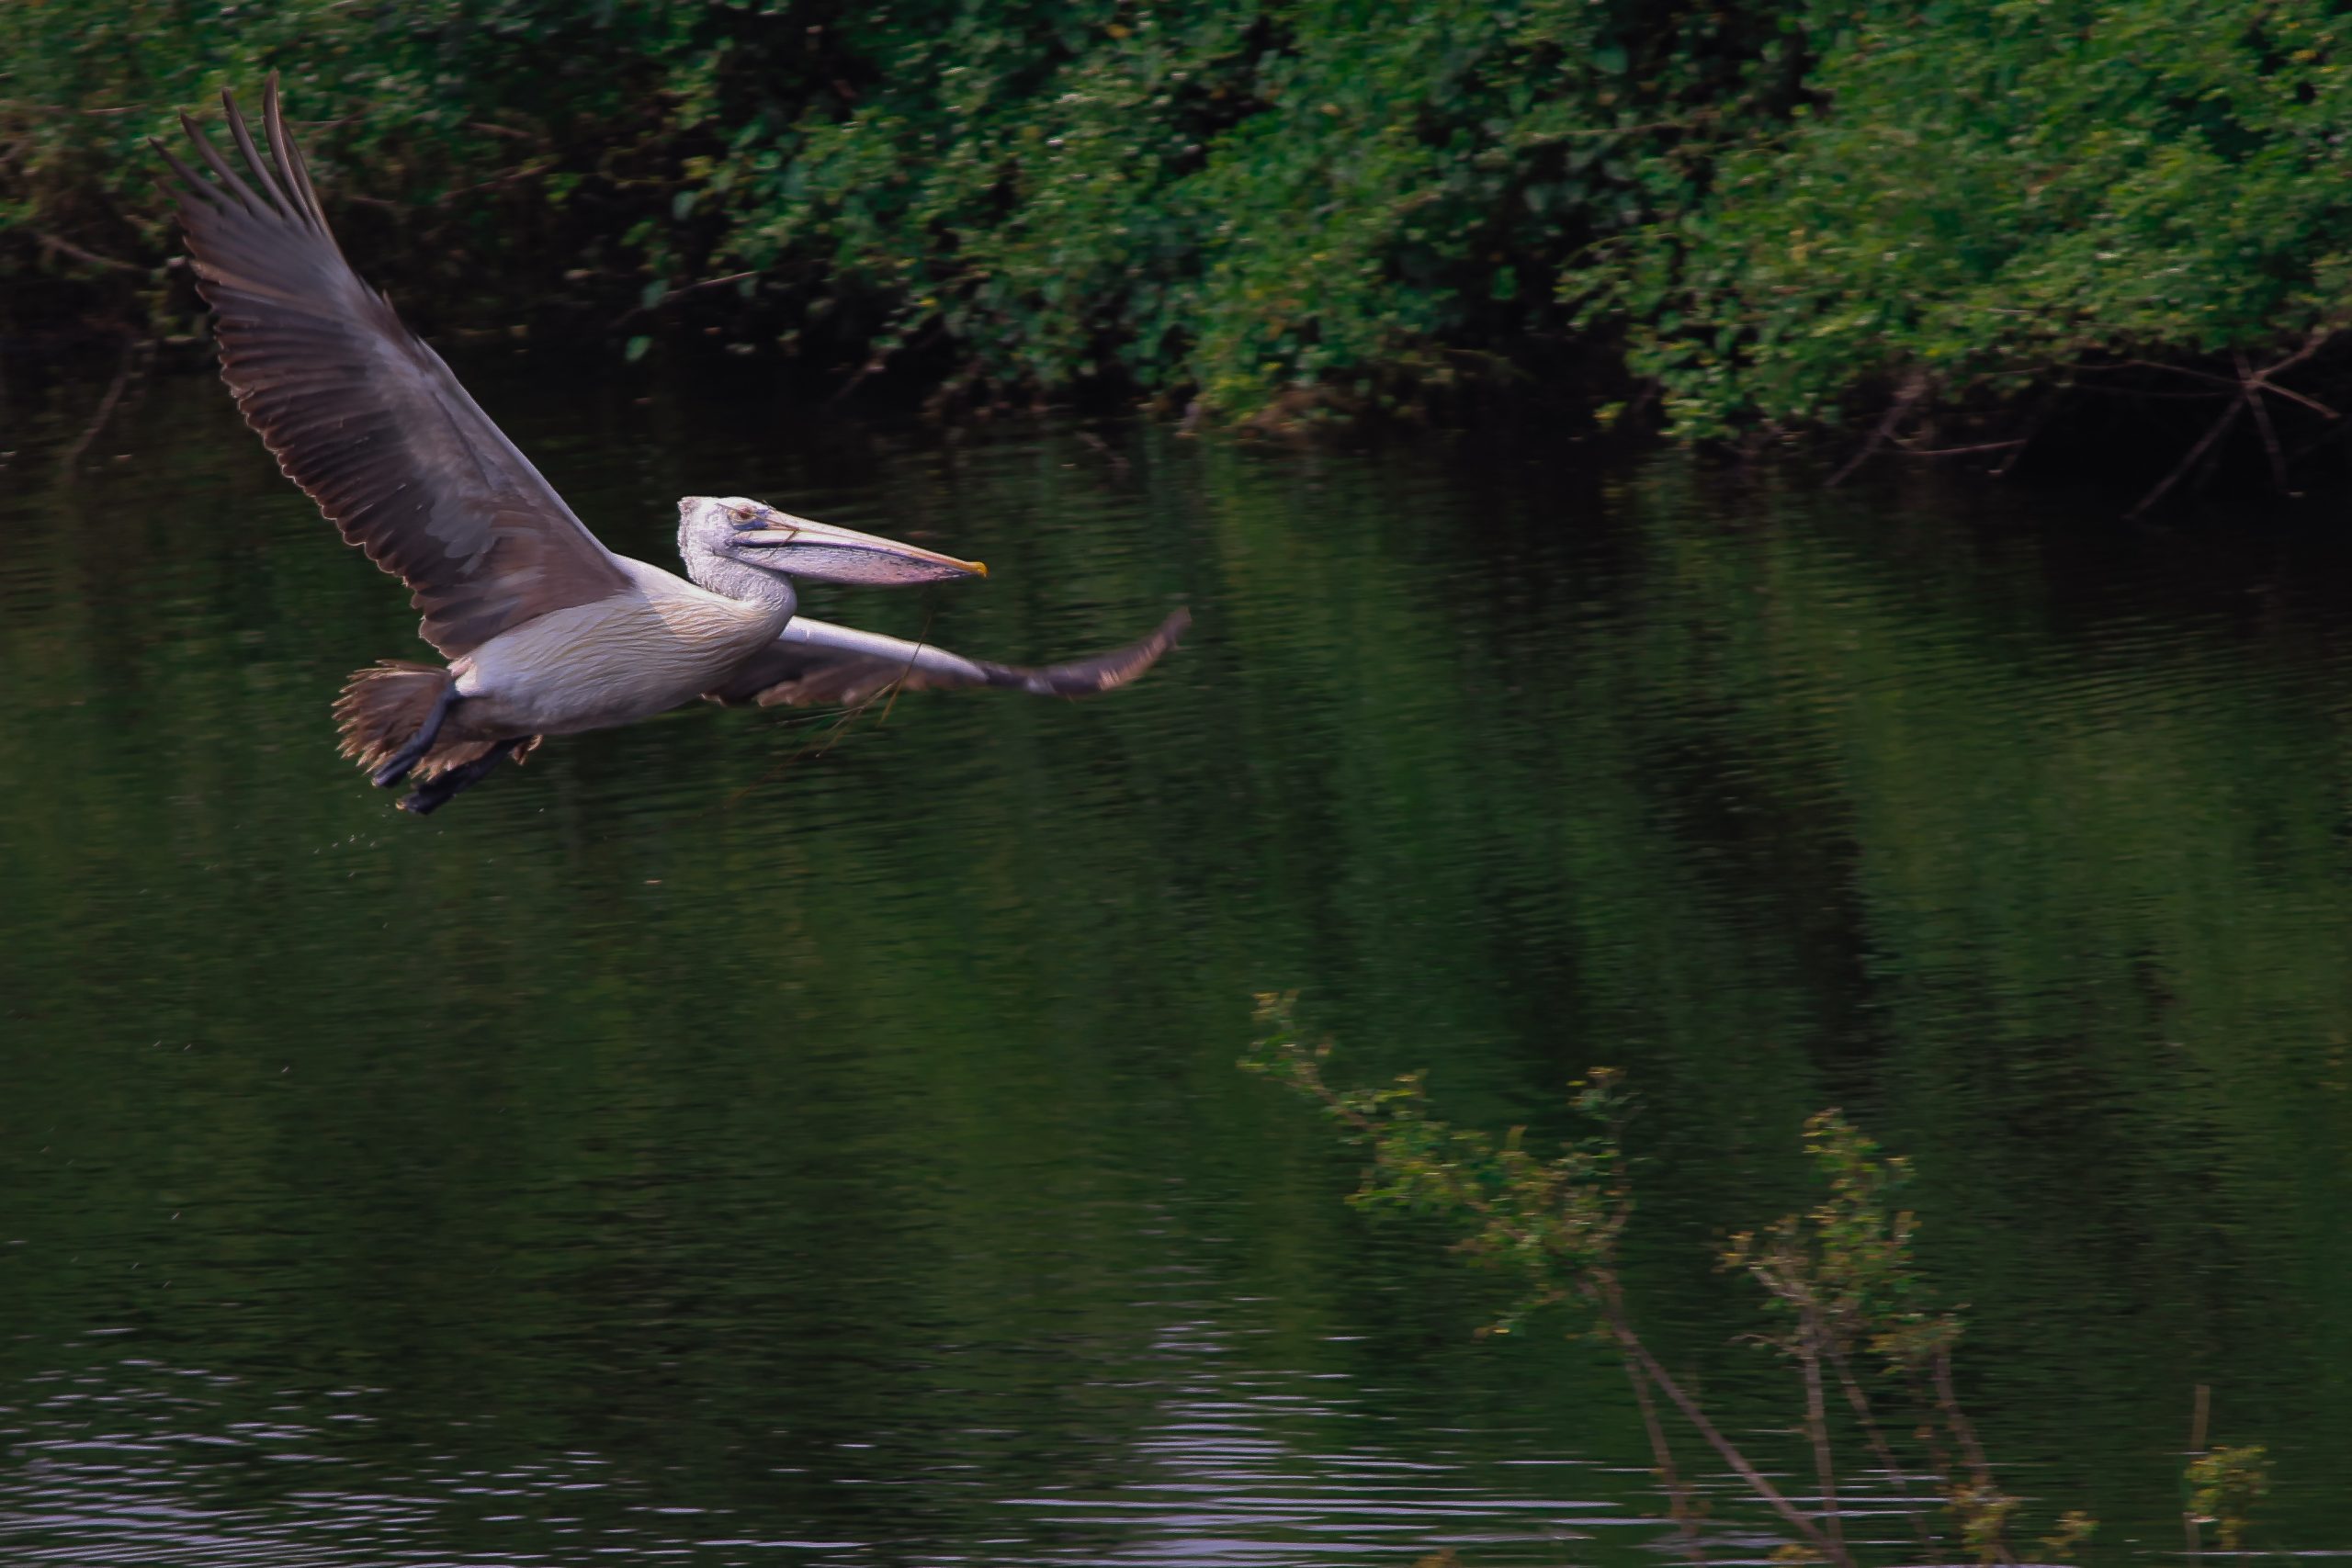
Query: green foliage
{"points": [[1553, 1223], [446, 111], [1843, 1269], [1237, 195], [2224, 1484], [1983, 1513], [1838, 1277], [1983, 198], [2075, 1531], [1779, 214], [1236, 198]]}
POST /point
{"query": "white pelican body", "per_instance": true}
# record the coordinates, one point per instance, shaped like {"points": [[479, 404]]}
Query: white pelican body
{"points": [[659, 642], [545, 631]]}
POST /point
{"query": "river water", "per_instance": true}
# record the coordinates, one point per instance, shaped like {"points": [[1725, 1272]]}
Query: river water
{"points": [[753, 1138]]}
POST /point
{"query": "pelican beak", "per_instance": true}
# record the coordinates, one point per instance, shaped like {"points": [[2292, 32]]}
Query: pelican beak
{"points": [[821, 552]]}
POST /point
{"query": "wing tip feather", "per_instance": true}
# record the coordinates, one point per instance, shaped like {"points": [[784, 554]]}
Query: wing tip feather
{"points": [[1122, 666], [361, 415]]}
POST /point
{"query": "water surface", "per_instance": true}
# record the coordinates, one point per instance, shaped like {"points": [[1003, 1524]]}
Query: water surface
{"points": [[748, 1138]]}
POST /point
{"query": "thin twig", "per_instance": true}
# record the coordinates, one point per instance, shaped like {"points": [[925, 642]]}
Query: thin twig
{"points": [[818, 746], [881, 361], [2250, 388], [2203, 1407], [1669, 1475], [68, 247], [1940, 1370], [60, 112], [105, 407], [1879, 1445], [2180, 469], [1948, 1401], [1961, 451], [888, 695], [2260, 379], [2147, 394], [706, 283], [680, 293], [2263, 384], [2311, 344], [1817, 1424], [2157, 364], [1678, 1496], [1912, 391], [1832, 1551], [522, 172], [1691, 123], [1926, 1434]]}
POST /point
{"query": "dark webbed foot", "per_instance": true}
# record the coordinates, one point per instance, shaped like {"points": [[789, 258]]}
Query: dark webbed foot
{"points": [[434, 793], [396, 767]]}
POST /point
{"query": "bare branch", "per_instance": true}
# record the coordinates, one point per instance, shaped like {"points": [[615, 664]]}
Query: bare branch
{"points": [[67, 247], [2180, 469]]}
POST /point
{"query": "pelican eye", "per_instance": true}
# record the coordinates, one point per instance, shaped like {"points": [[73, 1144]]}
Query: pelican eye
{"points": [[744, 519]]}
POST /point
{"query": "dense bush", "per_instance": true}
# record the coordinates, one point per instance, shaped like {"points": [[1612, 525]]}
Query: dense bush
{"points": [[1234, 197], [460, 126], [1774, 216], [1996, 195]]}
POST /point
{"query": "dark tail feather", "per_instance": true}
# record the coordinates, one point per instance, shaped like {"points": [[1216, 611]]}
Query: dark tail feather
{"points": [[382, 707]]}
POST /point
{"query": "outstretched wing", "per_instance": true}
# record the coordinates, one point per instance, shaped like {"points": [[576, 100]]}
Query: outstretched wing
{"points": [[813, 662], [364, 417]]}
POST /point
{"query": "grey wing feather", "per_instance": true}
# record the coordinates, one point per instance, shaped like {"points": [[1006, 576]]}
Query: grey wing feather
{"points": [[364, 417], [814, 662]]}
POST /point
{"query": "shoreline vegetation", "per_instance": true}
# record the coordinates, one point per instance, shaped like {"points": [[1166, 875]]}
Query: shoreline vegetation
{"points": [[1999, 232], [1844, 1301]]}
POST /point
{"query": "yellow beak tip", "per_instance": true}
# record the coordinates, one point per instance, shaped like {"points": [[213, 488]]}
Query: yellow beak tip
{"points": [[979, 567]]}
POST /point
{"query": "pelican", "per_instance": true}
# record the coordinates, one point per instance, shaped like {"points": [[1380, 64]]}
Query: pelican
{"points": [[544, 630]]}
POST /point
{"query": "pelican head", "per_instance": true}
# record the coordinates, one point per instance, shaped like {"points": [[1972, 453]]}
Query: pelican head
{"points": [[738, 531]]}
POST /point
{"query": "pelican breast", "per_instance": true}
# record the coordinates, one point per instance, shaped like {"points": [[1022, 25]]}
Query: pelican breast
{"points": [[662, 642]]}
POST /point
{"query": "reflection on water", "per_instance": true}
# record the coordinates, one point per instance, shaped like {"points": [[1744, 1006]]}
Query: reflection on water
{"points": [[751, 1139], [133, 1462]]}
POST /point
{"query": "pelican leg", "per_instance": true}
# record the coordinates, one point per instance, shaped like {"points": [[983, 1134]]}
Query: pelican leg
{"points": [[396, 767], [434, 793]]}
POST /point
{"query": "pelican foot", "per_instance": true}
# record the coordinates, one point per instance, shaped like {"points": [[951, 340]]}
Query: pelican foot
{"points": [[397, 765], [434, 793]]}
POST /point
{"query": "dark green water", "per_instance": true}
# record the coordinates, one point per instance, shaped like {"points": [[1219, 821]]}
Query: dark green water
{"points": [[736, 1140]]}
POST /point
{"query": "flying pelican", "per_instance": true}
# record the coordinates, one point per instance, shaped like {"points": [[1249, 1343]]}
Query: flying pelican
{"points": [[545, 631]]}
